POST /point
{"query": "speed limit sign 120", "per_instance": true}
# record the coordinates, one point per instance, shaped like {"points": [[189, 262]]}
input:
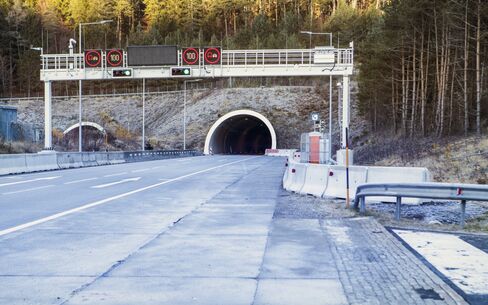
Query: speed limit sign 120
{"points": [[190, 56]]}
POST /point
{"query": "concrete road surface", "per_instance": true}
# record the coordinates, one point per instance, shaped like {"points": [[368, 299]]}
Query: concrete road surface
{"points": [[200, 230]]}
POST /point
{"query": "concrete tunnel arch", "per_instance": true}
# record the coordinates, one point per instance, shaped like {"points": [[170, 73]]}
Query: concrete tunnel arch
{"points": [[240, 132], [91, 124]]}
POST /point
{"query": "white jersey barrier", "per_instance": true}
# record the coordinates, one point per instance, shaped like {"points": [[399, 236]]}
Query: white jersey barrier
{"points": [[315, 180], [26, 163], [385, 174], [280, 152], [336, 187], [330, 180], [41, 162], [297, 176], [287, 175], [12, 164]]}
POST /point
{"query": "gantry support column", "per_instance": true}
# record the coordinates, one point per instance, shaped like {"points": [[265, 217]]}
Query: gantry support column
{"points": [[48, 128]]}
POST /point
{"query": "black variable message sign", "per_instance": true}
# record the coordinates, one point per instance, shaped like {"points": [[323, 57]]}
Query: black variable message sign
{"points": [[152, 55], [93, 58], [190, 56], [114, 58], [212, 56]]}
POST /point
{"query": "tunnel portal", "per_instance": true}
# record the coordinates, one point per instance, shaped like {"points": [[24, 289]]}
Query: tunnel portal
{"points": [[240, 132]]}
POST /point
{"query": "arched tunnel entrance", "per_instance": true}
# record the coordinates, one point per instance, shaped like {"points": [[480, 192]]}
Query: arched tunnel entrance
{"points": [[240, 132]]}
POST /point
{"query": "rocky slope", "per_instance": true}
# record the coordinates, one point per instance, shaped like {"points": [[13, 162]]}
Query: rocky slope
{"points": [[287, 108]]}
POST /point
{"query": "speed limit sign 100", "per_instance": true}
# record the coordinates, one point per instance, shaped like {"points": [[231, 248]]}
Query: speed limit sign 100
{"points": [[190, 56], [114, 58]]}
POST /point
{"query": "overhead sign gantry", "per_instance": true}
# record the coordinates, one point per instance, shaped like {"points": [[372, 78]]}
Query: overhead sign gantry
{"points": [[156, 62]]}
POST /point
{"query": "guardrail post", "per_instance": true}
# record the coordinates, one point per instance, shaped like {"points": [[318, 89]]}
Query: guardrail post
{"points": [[463, 213], [398, 207]]}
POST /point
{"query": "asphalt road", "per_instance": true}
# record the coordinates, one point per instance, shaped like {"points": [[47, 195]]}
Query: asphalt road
{"points": [[210, 230], [30, 197]]}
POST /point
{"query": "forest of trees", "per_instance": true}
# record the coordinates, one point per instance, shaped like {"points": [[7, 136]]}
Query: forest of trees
{"points": [[421, 63]]}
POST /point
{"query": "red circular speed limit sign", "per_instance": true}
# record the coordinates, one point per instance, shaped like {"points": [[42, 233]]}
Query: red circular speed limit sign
{"points": [[93, 58], [190, 56], [114, 58], [212, 56]]}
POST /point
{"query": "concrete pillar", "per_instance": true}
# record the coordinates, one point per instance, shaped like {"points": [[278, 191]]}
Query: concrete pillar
{"points": [[48, 128]]}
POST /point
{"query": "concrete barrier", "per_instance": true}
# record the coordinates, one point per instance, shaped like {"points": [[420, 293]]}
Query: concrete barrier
{"points": [[12, 164], [336, 184], [330, 180], [24, 163], [69, 160], [315, 180], [41, 162], [89, 159], [287, 174], [297, 177], [115, 157], [379, 174], [279, 152]]}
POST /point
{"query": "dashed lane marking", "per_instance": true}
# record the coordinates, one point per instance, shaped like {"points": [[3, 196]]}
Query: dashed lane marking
{"points": [[29, 190], [115, 183], [81, 180], [27, 181], [100, 202], [115, 175]]}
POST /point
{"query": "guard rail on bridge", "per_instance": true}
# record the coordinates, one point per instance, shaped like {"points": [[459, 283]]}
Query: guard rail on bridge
{"points": [[230, 58], [444, 191]]}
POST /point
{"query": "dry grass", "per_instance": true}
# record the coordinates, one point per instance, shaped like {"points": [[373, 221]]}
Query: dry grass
{"points": [[452, 160]]}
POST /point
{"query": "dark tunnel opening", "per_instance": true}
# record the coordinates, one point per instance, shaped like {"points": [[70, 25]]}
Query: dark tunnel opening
{"points": [[241, 134]]}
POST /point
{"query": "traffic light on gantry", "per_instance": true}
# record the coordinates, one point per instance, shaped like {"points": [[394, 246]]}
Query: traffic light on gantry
{"points": [[181, 71], [122, 73]]}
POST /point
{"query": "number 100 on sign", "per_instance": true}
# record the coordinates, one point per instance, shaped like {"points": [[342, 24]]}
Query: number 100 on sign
{"points": [[190, 56]]}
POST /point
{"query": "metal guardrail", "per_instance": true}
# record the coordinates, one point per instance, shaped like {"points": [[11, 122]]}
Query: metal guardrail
{"points": [[133, 156], [444, 191]]}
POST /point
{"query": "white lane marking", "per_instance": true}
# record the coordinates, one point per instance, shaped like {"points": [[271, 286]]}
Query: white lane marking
{"points": [[29, 190], [27, 181], [141, 170], [115, 183], [99, 202], [164, 179], [114, 175], [81, 180], [465, 265]]}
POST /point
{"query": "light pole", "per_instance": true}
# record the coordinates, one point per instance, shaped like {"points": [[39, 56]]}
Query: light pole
{"points": [[184, 109], [330, 118], [80, 148], [339, 110], [143, 114]]}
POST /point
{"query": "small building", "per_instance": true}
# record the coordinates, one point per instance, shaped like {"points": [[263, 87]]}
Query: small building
{"points": [[8, 118]]}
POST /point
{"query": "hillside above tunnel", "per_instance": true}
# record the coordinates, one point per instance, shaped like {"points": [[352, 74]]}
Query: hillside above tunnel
{"points": [[287, 109]]}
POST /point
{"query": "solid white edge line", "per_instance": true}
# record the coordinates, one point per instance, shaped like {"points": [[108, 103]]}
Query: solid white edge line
{"points": [[99, 202]]}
